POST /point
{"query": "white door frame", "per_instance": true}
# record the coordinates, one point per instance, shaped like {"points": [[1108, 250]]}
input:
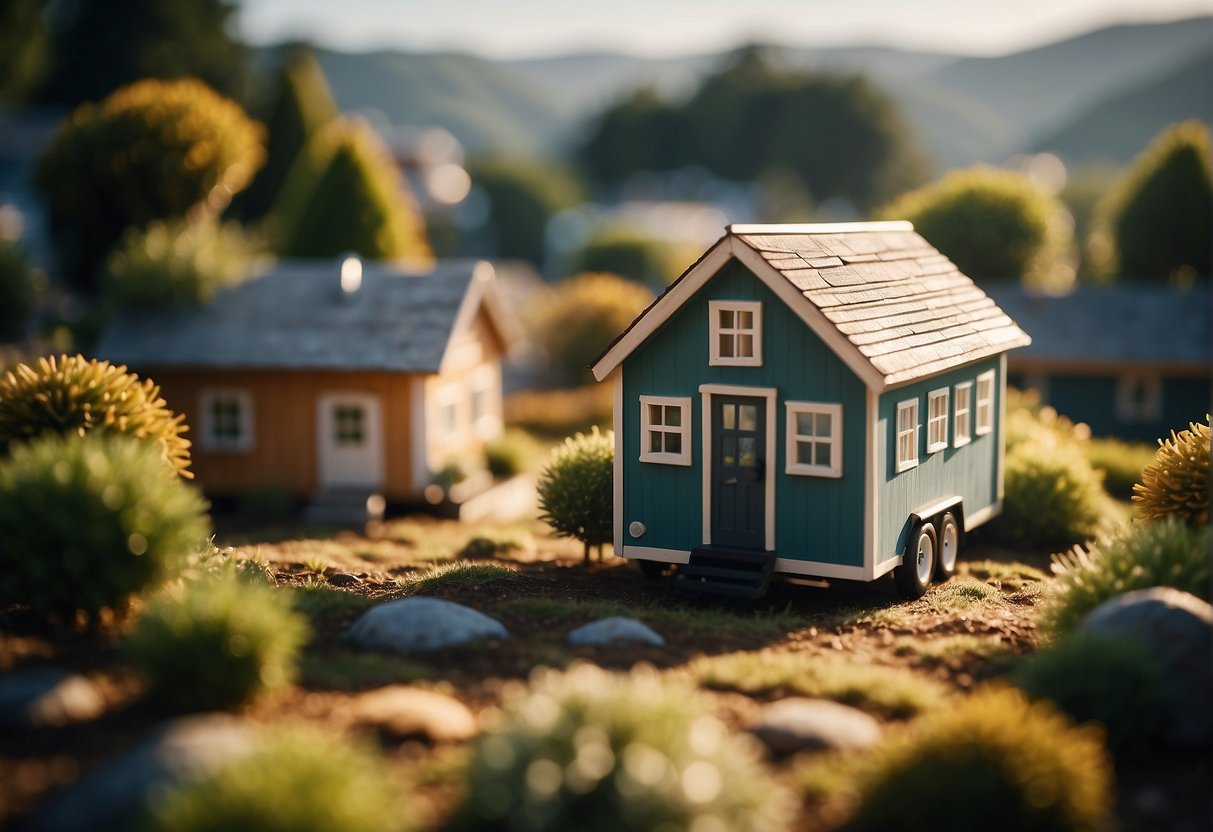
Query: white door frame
{"points": [[772, 470], [333, 471]]}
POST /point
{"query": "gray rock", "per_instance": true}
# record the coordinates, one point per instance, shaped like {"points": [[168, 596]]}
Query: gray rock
{"points": [[47, 698], [405, 711], [795, 724], [613, 631], [413, 624], [116, 795], [1177, 628]]}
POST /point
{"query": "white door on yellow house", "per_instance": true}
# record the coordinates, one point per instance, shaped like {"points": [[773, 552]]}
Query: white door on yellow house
{"points": [[350, 440]]}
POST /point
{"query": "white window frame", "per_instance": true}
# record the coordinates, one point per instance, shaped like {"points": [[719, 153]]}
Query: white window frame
{"points": [[1134, 408], [905, 463], [683, 429], [243, 443], [962, 417], [715, 307], [449, 396], [484, 382], [984, 407], [937, 422], [834, 440]]}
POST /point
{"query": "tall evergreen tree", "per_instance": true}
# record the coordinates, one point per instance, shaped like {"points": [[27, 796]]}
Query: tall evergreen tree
{"points": [[300, 106], [344, 194]]}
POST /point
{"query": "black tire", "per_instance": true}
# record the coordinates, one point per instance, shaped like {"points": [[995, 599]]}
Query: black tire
{"points": [[654, 570], [948, 550], [913, 576]]}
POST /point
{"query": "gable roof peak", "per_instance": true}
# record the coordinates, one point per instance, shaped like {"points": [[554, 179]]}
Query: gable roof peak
{"points": [[819, 227]]}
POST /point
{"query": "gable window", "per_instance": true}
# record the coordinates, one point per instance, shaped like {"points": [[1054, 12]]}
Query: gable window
{"points": [[985, 403], [907, 434], [665, 430], [1138, 398], [937, 420], [736, 333], [962, 415], [227, 420], [814, 439]]}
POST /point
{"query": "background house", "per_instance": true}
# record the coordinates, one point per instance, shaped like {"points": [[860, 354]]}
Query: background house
{"points": [[1132, 361], [322, 378]]}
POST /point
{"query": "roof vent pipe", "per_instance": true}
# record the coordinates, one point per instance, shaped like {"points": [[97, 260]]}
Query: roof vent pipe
{"points": [[351, 276]]}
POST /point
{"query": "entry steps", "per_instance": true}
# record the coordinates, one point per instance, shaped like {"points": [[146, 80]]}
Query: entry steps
{"points": [[719, 570]]}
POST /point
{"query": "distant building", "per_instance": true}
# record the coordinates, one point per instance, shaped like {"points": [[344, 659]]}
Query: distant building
{"points": [[1130, 361]]}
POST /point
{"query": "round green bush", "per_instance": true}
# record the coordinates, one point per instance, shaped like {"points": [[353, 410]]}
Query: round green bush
{"points": [[629, 253], [575, 489], [216, 642], [1177, 481], [180, 265], [510, 453], [73, 395], [1110, 681], [1165, 552], [84, 523], [295, 780], [1053, 497], [995, 761], [590, 750]]}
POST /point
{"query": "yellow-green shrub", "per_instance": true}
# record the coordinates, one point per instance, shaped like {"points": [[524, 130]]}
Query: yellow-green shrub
{"points": [[575, 489], [1177, 482], [584, 315], [1053, 497], [74, 395]]}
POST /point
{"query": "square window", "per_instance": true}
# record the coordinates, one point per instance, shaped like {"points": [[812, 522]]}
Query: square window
{"points": [[1138, 398], [227, 420], [814, 436], [736, 333], [664, 430]]}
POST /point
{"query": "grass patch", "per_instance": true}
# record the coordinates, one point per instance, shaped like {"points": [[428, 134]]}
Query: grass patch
{"points": [[1007, 576], [962, 594], [945, 648], [317, 600], [351, 671], [462, 575], [888, 691]]}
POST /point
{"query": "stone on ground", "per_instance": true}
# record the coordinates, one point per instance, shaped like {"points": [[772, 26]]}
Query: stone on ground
{"points": [[798, 724], [417, 624], [47, 698], [404, 711], [612, 631], [1177, 628]]}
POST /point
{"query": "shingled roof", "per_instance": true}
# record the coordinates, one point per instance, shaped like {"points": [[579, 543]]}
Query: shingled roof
{"points": [[296, 316], [891, 305]]}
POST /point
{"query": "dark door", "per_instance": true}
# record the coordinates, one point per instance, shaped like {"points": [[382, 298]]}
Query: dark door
{"points": [[739, 472]]}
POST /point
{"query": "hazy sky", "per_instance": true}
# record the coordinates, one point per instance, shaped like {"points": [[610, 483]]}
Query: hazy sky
{"points": [[523, 28]]}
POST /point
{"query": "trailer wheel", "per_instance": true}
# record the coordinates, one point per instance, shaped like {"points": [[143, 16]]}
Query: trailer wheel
{"points": [[949, 547], [913, 576]]}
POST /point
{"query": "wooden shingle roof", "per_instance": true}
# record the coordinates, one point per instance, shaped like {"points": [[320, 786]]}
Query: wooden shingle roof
{"points": [[881, 296]]}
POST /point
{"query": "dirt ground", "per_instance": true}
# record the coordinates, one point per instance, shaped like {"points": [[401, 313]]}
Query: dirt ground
{"points": [[960, 635]]}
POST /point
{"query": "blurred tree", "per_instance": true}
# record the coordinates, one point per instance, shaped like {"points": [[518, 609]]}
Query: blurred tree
{"points": [[23, 48], [16, 291], [584, 315], [1083, 191], [641, 132], [301, 104], [99, 47], [1158, 220], [629, 254], [153, 150], [523, 195], [993, 224], [344, 194]]}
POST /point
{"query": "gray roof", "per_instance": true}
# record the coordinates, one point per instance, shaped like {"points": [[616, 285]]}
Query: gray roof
{"points": [[295, 316], [1114, 324]]}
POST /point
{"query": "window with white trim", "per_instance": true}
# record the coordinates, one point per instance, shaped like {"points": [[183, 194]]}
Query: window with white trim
{"points": [[962, 416], [907, 434], [1138, 398], [937, 420], [227, 420], [484, 402], [447, 402], [665, 430], [736, 333], [985, 403], [814, 440]]}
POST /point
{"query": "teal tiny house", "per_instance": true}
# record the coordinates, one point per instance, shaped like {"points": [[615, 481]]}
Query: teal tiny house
{"points": [[812, 400]]}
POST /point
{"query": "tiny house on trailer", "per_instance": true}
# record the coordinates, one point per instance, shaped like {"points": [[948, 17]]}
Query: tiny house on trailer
{"points": [[809, 400]]}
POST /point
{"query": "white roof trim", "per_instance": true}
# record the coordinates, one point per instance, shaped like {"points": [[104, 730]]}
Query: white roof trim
{"points": [[822, 228], [481, 293]]}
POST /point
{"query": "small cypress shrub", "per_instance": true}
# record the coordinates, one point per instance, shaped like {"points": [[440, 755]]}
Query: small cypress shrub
{"points": [[1053, 497], [74, 395], [996, 757], [1167, 552], [1110, 681], [1177, 481], [295, 780], [575, 489], [218, 641], [589, 750], [84, 523]]}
